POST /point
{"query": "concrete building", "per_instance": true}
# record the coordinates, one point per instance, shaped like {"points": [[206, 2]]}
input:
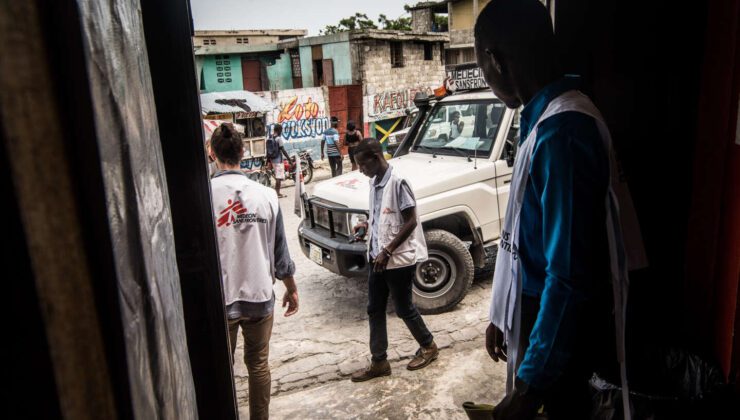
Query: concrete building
{"points": [[253, 60], [371, 75], [462, 16]]}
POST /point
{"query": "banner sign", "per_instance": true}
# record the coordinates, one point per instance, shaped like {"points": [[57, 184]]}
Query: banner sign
{"points": [[466, 76]]}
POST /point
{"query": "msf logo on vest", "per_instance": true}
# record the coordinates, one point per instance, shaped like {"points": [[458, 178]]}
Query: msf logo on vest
{"points": [[506, 244], [235, 213]]}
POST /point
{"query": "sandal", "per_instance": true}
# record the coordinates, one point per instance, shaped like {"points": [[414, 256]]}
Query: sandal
{"points": [[282, 195]]}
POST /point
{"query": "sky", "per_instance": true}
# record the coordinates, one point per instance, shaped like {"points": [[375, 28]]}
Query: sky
{"points": [[313, 15]]}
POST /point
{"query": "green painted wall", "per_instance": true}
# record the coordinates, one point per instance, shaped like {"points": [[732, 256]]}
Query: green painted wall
{"points": [[222, 73], [339, 53], [306, 66], [280, 74]]}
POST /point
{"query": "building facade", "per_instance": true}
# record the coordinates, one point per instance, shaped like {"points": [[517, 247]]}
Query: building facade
{"points": [[252, 60]]}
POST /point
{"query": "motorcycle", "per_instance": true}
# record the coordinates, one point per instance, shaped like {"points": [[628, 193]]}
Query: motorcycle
{"points": [[306, 166]]}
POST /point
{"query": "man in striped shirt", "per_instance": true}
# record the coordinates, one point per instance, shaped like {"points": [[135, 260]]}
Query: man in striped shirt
{"points": [[331, 139]]}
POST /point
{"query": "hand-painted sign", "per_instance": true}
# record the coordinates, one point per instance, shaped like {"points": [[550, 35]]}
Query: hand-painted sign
{"points": [[466, 76], [392, 103], [301, 113]]}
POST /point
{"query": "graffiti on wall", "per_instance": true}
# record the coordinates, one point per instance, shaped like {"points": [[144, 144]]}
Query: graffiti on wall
{"points": [[300, 120], [302, 117], [393, 103]]}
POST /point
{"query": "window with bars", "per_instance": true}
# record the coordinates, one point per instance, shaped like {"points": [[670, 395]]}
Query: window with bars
{"points": [[209, 42], [396, 54], [295, 63], [242, 40]]}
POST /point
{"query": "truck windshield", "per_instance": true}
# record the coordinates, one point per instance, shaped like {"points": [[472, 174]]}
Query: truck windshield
{"points": [[464, 129]]}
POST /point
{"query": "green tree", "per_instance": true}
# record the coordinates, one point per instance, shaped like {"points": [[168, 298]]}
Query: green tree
{"points": [[400, 24], [357, 21]]}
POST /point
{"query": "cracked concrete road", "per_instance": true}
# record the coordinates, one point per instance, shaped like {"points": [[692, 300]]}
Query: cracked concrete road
{"points": [[313, 352]]}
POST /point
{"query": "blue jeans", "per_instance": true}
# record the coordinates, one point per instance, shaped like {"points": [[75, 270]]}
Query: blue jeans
{"points": [[396, 282]]}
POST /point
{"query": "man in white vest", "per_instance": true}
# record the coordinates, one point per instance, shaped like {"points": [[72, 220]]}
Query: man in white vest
{"points": [[395, 244], [253, 252], [561, 252]]}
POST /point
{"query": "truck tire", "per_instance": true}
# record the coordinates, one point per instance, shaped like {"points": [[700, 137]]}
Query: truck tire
{"points": [[443, 280]]}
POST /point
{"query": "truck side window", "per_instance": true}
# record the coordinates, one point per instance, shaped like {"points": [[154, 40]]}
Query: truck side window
{"points": [[512, 139]]}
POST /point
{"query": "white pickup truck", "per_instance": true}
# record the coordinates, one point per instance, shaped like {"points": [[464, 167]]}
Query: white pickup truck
{"points": [[461, 187]]}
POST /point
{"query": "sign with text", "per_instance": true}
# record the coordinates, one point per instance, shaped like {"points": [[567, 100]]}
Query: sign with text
{"points": [[466, 76]]}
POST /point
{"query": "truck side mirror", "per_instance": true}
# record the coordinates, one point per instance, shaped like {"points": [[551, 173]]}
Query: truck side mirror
{"points": [[510, 157]]}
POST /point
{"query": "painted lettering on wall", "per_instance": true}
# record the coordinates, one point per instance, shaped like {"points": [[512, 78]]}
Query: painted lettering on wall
{"points": [[393, 103], [301, 119]]}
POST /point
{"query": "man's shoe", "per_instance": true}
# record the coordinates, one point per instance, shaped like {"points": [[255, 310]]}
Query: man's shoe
{"points": [[424, 356], [375, 370]]}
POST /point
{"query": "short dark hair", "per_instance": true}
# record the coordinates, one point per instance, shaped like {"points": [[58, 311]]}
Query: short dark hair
{"points": [[521, 27], [369, 146], [351, 125], [226, 144], [277, 128]]}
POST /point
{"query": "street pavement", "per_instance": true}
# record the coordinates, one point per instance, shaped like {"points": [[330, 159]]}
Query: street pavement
{"points": [[313, 352]]}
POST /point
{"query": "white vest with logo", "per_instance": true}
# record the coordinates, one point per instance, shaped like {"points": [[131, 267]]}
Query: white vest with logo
{"points": [[414, 248], [621, 225], [246, 217]]}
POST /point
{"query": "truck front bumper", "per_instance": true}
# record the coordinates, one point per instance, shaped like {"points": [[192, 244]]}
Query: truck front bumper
{"points": [[337, 254]]}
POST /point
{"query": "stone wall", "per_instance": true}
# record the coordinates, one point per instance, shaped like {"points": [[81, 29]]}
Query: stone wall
{"points": [[387, 90]]}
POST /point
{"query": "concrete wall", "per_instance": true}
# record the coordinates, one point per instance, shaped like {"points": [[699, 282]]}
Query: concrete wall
{"points": [[379, 77], [303, 114], [280, 74], [389, 92], [421, 20], [340, 55], [461, 15], [199, 60], [222, 73]]}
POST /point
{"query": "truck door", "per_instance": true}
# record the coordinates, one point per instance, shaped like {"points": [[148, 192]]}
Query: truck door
{"points": [[504, 164]]}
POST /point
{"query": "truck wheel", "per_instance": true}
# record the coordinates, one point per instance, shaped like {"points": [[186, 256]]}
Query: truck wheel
{"points": [[443, 280]]}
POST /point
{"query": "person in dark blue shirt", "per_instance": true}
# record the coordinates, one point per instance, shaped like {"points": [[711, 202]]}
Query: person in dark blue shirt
{"points": [[562, 245]]}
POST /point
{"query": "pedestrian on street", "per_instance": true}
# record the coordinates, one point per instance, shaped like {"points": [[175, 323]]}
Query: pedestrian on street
{"points": [[275, 148], [352, 138], [253, 252], [395, 245], [553, 324], [331, 139]]}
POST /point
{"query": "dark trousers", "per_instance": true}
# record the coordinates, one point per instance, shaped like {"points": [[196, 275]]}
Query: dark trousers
{"points": [[568, 397], [396, 282], [335, 163]]}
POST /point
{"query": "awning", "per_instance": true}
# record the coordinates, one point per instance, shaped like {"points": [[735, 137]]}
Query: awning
{"points": [[237, 101], [209, 126]]}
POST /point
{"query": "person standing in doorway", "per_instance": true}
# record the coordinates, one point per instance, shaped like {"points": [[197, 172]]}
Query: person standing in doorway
{"points": [[275, 146], [331, 140], [552, 297], [253, 252], [352, 138], [395, 245]]}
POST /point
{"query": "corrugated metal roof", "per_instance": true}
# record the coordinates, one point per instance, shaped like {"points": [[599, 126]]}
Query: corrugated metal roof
{"points": [[234, 101]]}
